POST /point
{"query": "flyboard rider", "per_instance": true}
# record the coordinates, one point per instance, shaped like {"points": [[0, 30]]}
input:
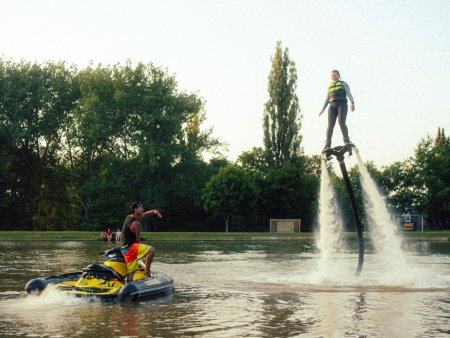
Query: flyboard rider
{"points": [[337, 94], [131, 248]]}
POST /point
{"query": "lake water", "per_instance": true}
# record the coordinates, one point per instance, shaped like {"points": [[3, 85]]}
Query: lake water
{"points": [[236, 289]]}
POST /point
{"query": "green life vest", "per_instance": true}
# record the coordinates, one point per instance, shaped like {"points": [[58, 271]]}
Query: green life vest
{"points": [[337, 92]]}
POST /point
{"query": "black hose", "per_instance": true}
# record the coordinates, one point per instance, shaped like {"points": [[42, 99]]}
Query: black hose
{"points": [[356, 218], [339, 153]]}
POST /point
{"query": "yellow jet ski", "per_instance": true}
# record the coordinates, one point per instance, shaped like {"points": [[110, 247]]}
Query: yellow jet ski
{"points": [[106, 281]]}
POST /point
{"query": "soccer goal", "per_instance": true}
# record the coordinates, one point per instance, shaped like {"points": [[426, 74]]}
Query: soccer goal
{"points": [[285, 225]]}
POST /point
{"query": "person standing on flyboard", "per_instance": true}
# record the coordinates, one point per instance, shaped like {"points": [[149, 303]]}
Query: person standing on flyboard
{"points": [[338, 91]]}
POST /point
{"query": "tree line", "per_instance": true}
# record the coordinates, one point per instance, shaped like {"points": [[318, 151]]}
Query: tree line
{"points": [[78, 146]]}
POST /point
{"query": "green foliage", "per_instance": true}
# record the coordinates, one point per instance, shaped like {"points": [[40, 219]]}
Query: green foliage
{"points": [[78, 146], [56, 205], [34, 104], [398, 180], [254, 161], [282, 117], [229, 192], [422, 183], [288, 192], [312, 165], [134, 136], [89, 142], [432, 171]]}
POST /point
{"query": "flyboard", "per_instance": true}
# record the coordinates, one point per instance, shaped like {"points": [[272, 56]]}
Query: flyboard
{"points": [[339, 153]]}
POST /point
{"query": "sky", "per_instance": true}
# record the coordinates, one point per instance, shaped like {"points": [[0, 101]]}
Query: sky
{"points": [[395, 56]]}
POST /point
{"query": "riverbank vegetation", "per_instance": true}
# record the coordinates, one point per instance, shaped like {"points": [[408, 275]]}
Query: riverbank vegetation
{"points": [[79, 145], [195, 236]]}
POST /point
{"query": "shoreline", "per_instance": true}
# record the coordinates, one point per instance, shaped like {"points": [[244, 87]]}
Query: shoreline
{"points": [[200, 236]]}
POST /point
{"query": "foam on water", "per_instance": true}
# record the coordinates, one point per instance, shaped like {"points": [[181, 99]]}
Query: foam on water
{"points": [[50, 299]]}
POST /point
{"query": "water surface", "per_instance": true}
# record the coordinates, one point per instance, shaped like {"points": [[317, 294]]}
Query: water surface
{"points": [[236, 289]]}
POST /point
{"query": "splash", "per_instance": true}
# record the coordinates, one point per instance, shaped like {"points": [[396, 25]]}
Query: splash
{"points": [[51, 299], [381, 229], [329, 238], [387, 257]]}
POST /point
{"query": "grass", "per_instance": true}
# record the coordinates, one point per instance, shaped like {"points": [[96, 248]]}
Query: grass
{"points": [[175, 236], [194, 236], [428, 234]]}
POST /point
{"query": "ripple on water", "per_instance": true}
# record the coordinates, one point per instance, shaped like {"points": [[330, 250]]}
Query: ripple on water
{"points": [[237, 289]]}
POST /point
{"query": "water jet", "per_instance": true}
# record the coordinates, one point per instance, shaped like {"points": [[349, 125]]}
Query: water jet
{"points": [[339, 153]]}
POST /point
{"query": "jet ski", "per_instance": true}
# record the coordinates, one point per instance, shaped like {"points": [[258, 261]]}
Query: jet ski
{"points": [[106, 281]]}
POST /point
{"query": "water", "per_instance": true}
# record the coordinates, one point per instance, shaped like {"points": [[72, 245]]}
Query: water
{"points": [[235, 289], [389, 268]]}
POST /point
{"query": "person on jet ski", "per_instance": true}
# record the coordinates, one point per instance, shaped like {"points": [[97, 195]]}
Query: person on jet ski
{"points": [[337, 94], [131, 247]]}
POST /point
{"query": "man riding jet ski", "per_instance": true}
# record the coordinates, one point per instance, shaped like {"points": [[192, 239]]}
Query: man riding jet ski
{"points": [[131, 248], [108, 280]]}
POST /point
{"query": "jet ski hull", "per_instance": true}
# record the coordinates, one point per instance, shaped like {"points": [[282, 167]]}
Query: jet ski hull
{"points": [[70, 284], [106, 281]]}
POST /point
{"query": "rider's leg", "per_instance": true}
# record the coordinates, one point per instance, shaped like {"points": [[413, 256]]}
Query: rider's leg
{"points": [[342, 117], [149, 260], [332, 116]]}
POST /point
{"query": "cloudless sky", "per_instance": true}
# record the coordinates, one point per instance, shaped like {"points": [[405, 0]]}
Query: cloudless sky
{"points": [[395, 55]]}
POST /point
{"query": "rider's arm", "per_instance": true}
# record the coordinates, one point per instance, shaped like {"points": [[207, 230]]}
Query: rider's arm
{"points": [[148, 213], [347, 91], [325, 104], [152, 212], [349, 94]]}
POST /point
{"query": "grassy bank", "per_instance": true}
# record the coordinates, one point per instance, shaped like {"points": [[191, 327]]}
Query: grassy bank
{"points": [[175, 236], [202, 236]]}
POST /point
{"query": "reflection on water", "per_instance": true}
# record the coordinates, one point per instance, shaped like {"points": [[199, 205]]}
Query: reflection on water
{"points": [[232, 289]]}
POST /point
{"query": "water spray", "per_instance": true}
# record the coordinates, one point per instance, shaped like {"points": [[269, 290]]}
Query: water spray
{"points": [[339, 153]]}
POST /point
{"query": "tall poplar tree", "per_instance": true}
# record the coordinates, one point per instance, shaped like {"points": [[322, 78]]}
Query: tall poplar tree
{"points": [[282, 116]]}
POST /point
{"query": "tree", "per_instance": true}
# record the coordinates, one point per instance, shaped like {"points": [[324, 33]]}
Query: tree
{"points": [[399, 182], [229, 192], [34, 105], [422, 182], [133, 135], [90, 141], [184, 205], [254, 161], [287, 192], [282, 117], [93, 148], [432, 174]]}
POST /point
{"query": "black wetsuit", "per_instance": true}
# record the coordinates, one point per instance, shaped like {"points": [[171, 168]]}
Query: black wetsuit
{"points": [[337, 111]]}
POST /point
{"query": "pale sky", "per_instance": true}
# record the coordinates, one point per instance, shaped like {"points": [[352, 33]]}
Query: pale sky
{"points": [[395, 55]]}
